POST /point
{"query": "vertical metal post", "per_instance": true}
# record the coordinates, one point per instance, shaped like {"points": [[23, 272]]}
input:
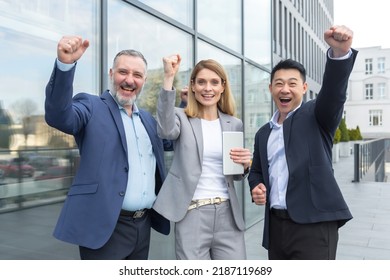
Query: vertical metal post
{"points": [[356, 154]]}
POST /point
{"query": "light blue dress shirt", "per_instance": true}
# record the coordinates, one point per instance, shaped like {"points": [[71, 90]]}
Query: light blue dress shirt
{"points": [[140, 191], [277, 163]]}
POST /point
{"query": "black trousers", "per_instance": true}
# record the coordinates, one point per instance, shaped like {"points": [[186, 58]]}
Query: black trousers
{"points": [[129, 241], [292, 241]]}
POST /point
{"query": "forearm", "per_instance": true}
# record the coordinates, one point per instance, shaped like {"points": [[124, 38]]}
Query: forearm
{"points": [[332, 96], [166, 118], [58, 101]]}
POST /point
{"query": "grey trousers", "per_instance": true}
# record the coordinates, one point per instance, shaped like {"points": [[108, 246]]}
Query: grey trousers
{"points": [[209, 232]]}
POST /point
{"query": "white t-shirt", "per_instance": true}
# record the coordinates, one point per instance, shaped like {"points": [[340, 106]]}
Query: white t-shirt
{"points": [[212, 182]]}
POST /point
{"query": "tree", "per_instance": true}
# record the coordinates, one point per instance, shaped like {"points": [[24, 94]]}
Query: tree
{"points": [[337, 136], [344, 131], [23, 111], [149, 95], [5, 129], [354, 134], [359, 135]]}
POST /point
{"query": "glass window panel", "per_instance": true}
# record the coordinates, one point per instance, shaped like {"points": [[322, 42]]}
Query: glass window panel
{"points": [[221, 21], [257, 113], [148, 35], [180, 10], [257, 23], [381, 65], [29, 32]]}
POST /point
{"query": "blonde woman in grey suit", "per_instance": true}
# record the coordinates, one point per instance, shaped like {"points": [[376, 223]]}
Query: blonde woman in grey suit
{"points": [[196, 195]]}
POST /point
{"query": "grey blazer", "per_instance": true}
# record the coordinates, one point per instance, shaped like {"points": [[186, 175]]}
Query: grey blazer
{"points": [[179, 186]]}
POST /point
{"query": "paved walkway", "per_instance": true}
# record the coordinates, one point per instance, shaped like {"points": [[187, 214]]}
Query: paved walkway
{"points": [[27, 234]]}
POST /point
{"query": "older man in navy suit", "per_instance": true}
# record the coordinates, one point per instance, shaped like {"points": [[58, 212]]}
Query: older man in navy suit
{"points": [[108, 211], [292, 170]]}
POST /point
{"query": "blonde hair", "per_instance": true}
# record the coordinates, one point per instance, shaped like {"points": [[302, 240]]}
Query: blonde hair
{"points": [[226, 104]]}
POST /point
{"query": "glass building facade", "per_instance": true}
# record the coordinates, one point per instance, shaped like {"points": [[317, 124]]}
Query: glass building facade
{"points": [[237, 33]]}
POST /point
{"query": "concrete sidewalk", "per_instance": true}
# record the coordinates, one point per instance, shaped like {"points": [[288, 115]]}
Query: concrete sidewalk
{"points": [[27, 234]]}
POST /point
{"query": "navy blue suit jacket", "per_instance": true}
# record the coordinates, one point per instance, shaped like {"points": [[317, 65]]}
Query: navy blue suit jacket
{"points": [[94, 201], [313, 194]]}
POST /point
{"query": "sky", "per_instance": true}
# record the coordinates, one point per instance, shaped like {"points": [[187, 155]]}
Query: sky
{"points": [[368, 19]]}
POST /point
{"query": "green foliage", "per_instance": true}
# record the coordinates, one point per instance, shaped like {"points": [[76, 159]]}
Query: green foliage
{"points": [[344, 131], [337, 136], [359, 135], [149, 95], [354, 134]]}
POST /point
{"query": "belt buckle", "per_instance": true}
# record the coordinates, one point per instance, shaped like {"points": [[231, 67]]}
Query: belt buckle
{"points": [[217, 200], [138, 214]]}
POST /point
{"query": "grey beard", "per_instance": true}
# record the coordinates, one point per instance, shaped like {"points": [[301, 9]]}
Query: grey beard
{"points": [[122, 101]]}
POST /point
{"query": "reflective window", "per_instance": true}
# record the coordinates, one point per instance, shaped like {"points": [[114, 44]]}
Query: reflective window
{"points": [[257, 113], [30, 168], [257, 22], [220, 20], [29, 32], [148, 35], [381, 65], [180, 10]]}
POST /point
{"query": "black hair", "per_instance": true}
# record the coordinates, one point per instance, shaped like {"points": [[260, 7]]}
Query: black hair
{"points": [[289, 64]]}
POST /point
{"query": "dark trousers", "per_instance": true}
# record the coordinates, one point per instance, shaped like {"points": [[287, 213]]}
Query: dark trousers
{"points": [[129, 241], [292, 241]]}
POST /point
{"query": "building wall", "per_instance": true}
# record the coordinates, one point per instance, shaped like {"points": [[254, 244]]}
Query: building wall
{"points": [[370, 110], [298, 28]]}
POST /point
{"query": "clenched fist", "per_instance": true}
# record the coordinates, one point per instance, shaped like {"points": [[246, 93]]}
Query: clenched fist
{"points": [[71, 48]]}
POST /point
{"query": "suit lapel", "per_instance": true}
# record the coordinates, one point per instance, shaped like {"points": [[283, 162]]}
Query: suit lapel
{"points": [[263, 143], [116, 115], [196, 125], [224, 119], [287, 128]]}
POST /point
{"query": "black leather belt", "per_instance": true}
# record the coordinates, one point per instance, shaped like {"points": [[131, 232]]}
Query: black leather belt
{"points": [[134, 214], [280, 213]]}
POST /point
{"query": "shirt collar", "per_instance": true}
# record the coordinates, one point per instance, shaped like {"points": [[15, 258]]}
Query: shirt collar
{"points": [[273, 123], [135, 109]]}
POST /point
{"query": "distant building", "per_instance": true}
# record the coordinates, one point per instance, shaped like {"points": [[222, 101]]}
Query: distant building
{"points": [[298, 33], [368, 102]]}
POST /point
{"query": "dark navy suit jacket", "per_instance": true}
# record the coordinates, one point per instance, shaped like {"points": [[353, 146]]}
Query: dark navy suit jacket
{"points": [[313, 194], [94, 201]]}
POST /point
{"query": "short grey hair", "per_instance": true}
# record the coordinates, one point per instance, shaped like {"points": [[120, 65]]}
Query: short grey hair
{"points": [[130, 52]]}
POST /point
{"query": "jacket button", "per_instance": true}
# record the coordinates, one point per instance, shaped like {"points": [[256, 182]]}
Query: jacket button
{"points": [[126, 169], [122, 193]]}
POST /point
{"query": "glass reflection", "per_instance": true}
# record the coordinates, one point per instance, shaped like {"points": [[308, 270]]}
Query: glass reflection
{"points": [[221, 21], [154, 39], [257, 22], [180, 10], [29, 32], [257, 113]]}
